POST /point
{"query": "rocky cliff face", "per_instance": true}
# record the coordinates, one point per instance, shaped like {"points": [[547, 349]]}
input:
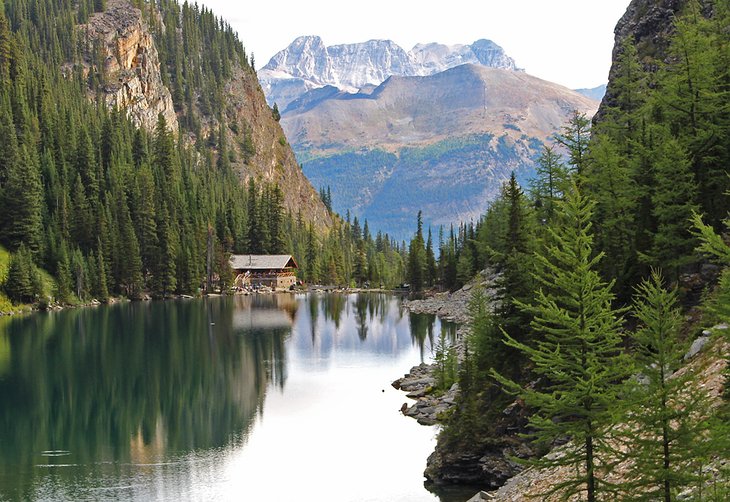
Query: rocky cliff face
{"points": [[308, 64], [273, 160], [118, 44], [119, 40], [649, 23]]}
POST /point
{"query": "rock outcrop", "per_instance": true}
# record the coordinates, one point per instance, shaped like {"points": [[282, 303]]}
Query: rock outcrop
{"points": [[118, 45], [119, 49], [649, 24], [429, 406]]}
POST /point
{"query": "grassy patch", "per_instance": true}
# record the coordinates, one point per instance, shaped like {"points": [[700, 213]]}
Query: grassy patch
{"points": [[4, 264], [49, 283], [6, 306]]}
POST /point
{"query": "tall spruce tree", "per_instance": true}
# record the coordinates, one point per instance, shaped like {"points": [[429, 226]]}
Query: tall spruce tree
{"points": [[551, 179], [21, 202], [610, 184]]}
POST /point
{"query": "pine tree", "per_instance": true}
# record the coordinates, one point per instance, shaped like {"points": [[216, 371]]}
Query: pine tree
{"points": [[9, 143], [64, 282], [5, 52], [417, 257], [515, 262], [430, 260], [693, 100], [145, 222], [276, 221], [629, 89], [129, 265], [165, 278], [610, 183], [100, 289], [21, 284], [576, 349], [21, 203]]}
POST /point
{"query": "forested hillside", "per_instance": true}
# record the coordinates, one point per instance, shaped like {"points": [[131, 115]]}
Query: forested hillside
{"points": [[110, 192], [609, 264]]}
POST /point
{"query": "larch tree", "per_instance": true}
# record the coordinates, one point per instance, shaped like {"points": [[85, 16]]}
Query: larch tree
{"points": [[575, 350], [666, 421], [575, 137]]}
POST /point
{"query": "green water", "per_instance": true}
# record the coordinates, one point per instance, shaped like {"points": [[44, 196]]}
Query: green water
{"points": [[277, 397]]}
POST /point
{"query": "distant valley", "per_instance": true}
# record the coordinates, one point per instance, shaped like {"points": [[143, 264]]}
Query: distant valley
{"points": [[437, 128]]}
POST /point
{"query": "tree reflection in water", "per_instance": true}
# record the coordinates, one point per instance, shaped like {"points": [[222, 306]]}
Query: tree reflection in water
{"points": [[112, 389], [133, 382]]}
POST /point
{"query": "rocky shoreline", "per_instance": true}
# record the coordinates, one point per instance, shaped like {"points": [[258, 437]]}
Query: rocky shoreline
{"points": [[419, 383], [488, 465], [491, 464]]}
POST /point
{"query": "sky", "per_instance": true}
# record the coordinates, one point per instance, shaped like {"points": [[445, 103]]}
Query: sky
{"points": [[564, 41]]}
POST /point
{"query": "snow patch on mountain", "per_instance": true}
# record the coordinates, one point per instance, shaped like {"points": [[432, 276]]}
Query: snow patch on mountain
{"points": [[307, 63]]}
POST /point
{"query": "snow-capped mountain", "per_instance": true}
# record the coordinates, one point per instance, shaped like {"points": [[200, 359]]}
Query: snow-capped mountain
{"points": [[307, 63]]}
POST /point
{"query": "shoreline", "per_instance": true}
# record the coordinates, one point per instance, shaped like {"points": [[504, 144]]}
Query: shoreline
{"points": [[146, 297], [419, 382]]}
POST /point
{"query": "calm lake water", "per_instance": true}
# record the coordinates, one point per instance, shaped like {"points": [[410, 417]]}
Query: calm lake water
{"points": [[255, 398]]}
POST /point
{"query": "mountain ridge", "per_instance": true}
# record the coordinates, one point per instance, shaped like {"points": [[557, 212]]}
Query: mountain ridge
{"points": [[442, 143], [307, 63]]}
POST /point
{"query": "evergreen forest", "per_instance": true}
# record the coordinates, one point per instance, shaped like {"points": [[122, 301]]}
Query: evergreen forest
{"points": [[94, 207], [606, 265]]}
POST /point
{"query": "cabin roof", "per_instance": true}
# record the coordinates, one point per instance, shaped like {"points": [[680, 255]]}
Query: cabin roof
{"points": [[262, 261]]}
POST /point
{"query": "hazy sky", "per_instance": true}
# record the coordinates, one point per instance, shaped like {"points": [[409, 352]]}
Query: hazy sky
{"points": [[564, 41]]}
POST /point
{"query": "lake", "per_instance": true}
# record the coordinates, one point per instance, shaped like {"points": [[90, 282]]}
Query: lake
{"points": [[257, 398]]}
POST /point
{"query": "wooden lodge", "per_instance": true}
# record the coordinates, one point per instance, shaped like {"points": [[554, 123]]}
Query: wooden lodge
{"points": [[275, 271]]}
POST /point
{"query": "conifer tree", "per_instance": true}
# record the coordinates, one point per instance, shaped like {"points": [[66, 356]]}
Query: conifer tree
{"points": [[667, 416], [551, 179], [629, 85], [575, 137], [21, 284], [674, 201], [21, 201], [9, 143], [276, 220], [165, 278], [5, 51], [417, 257], [129, 264], [430, 260], [100, 289], [515, 262], [610, 183], [145, 222], [576, 349], [64, 282]]}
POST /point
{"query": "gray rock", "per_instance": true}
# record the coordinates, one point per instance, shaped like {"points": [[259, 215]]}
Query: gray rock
{"points": [[696, 346]]}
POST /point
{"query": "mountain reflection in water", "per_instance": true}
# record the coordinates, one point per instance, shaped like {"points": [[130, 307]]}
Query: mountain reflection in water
{"points": [[89, 396]]}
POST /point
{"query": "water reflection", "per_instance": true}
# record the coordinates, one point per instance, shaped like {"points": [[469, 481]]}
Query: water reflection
{"points": [[148, 384], [128, 383]]}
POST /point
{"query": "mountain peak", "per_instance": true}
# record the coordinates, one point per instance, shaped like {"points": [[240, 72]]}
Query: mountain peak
{"points": [[308, 64]]}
